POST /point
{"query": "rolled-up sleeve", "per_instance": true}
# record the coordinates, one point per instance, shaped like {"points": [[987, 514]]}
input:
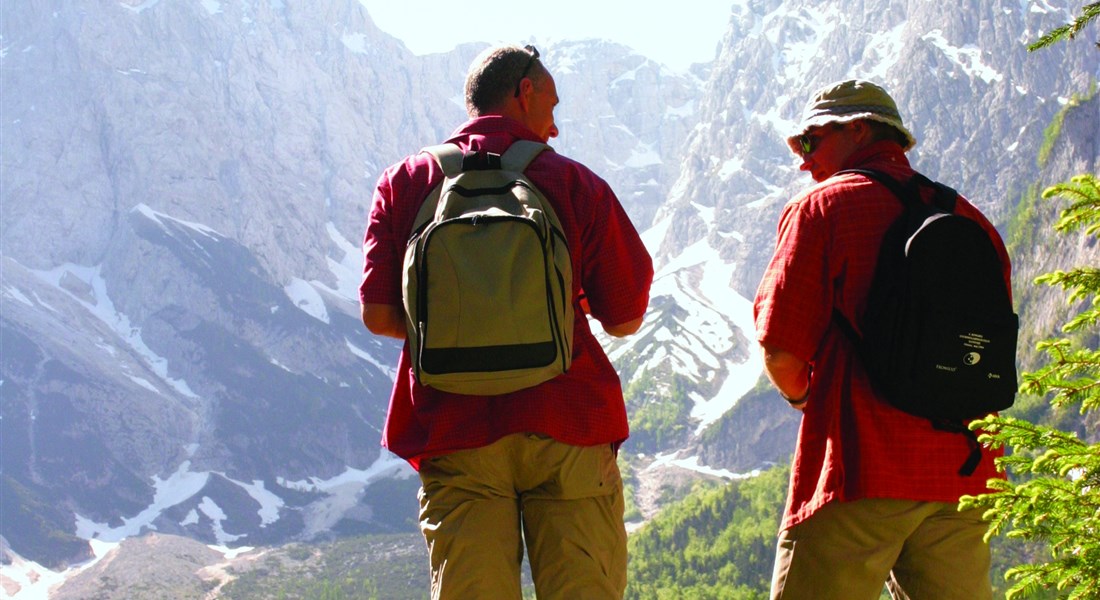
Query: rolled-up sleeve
{"points": [[618, 269], [795, 298]]}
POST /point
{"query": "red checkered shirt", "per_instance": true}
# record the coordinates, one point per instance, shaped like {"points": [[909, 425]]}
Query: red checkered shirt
{"points": [[584, 406], [852, 444]]}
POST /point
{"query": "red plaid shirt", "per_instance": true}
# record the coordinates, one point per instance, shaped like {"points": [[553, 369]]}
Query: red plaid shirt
{"points": [[584, 406], [851, 444]]}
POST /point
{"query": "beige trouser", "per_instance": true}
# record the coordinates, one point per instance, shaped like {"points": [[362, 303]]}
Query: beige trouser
{"points": [[567, 500], [921, 550]]}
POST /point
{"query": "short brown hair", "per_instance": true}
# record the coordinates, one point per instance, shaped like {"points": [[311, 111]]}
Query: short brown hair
{"points": [[884, 131], [494, 75]]}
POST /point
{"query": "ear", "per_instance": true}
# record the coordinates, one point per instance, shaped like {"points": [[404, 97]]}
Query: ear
{"points": [[526, 88], [861, 132]]}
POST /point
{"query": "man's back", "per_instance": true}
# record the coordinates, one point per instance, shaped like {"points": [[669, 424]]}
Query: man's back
{"points": [[534, 468], [868, 480], [584, 405]]}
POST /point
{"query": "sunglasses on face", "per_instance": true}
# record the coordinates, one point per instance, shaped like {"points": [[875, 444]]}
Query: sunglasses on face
{"points": [[808, 142], [530, 61]]}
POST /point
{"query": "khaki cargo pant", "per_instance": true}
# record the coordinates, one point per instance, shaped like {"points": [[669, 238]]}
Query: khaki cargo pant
{"points": [[921, 550], [566, 500]]}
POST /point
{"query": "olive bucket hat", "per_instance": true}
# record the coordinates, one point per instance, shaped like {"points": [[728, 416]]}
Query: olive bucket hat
{"points": [[847, 101]]}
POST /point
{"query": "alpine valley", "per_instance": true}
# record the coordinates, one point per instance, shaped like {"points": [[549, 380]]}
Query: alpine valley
{"points": [[183, 192]]}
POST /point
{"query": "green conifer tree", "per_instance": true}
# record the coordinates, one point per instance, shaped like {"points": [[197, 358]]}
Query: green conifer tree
{"points": [[1053, 494]]}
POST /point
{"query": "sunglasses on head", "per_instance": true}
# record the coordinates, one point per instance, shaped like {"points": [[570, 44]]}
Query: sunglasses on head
{"points": [[530, 61]]}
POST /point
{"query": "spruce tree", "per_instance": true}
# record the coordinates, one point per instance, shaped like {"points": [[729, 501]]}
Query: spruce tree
{"points": [[1053, 493]]}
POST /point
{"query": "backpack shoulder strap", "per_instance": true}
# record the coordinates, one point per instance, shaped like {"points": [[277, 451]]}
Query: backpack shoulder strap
{"points": [[907, 195], [909, 192], [520, 154], [448, 157], [902, 192], [516, 158]]}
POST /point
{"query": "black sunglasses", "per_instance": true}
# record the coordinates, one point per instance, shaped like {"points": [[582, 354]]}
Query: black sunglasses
{"points": [[534, 55], [806, 144], [809, 141]]}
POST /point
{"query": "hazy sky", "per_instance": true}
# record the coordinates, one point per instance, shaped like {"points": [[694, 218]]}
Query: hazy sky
{"points": [[674, 32]]}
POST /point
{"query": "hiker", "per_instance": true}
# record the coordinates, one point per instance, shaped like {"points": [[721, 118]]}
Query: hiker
{"points": [[534, 467], [874, 491]]}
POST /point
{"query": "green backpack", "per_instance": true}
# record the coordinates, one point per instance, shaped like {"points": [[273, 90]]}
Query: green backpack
{"points": [[487, 284]]}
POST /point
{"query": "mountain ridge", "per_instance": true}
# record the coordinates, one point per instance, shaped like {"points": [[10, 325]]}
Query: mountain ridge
{"points": [[183, 191]]}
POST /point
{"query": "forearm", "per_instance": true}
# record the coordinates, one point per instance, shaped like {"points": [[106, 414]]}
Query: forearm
{"points": [[623, 329], [384, 319]]}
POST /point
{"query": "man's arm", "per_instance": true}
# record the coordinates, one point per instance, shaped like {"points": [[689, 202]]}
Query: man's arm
{"points": [[789, 374], [385, 319], [623, 329]]}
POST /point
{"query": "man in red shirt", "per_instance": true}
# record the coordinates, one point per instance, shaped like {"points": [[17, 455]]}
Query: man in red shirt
{"points": [[874, 491], [536, 466]]}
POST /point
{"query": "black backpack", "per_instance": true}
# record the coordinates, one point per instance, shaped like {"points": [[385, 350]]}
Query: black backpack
{"points": [[939, 333]]}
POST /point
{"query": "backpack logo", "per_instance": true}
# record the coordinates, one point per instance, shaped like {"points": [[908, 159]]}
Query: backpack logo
{"points": [[487, 285]]}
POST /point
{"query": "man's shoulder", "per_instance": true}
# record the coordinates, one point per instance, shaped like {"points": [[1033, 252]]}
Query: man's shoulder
{"points": [[416, 168], [825, 192], [846, 184], [551, 161]]}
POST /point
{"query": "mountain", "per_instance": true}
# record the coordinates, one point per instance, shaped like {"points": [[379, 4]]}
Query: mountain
{"points": [[979, 105], [184, 190], [184, 185]]}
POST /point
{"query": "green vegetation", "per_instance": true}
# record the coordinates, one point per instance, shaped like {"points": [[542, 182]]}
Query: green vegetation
{"points": [[1054, 130], [632, 512], [1068, 31], [31, 523], [361, 568], [1053, 494], [659, 411], [718, 542], [1046, 510]]}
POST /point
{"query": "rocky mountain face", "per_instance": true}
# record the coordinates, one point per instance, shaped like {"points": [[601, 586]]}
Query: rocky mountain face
{"points": [[184, 191], [979, 105], [185, 186]]}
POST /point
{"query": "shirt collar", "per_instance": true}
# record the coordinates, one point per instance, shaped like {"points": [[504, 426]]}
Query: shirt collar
{"points": [[881, 151], [494, 124]]}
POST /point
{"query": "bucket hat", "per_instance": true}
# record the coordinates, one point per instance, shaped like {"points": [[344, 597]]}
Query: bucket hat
{"points": [[847, 101]]}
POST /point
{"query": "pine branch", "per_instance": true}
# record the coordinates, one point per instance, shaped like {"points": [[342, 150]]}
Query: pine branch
{"points": [[1069, 31]]}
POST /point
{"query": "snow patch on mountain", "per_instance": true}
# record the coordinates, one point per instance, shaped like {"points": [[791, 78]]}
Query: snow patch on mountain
{"points": [[166, 221], [817, 26], [24, 579], [176, 488], [389, 368], [342, 493], [692, 463], [968, 58], [698, 281], [339, 494], [885, 48], [140, 7], [307, 298], [98, 302]]}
